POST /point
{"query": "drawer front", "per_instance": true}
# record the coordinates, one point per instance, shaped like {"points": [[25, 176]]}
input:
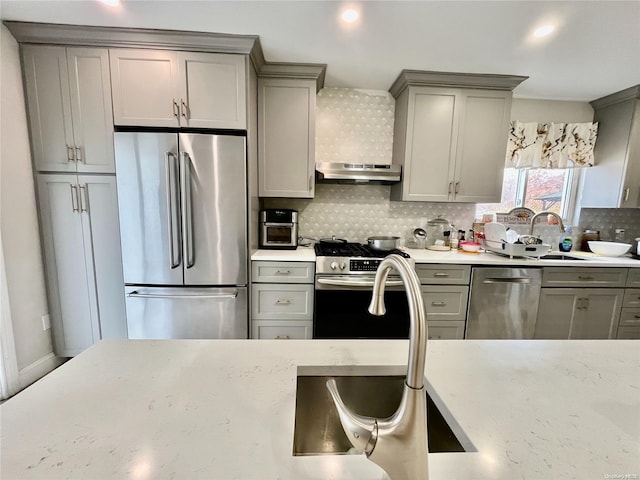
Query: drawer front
{"points": [[445, 302], [282, 302], [445, 330], [630, 317], [282, 272], [628, 333], [271, 330], [634, 278], [631, 298], [443, 274], [584, 277]]}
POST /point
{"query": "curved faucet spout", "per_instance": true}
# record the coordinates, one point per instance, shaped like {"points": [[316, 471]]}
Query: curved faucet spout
{"points": [[553, 214], [398, 443]]}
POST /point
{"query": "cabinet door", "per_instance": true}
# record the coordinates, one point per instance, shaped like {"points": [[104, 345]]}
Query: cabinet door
{"points": [[101, 230], [482, 145], [274, 330], [432, 119], [212, 90], [631, 185], [600, 313], [445, 330], [557, 310], [91, 109], [286, 125], [73, 309], [144, 87], [445, 302], [47, 88]]}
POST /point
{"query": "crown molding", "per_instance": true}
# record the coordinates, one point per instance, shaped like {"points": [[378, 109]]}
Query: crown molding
{"points": [[618, 97]]}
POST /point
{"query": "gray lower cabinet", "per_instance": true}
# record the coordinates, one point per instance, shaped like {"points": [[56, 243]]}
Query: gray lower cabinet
{"points": [[282, 295], [445, 292], [81, 239], [629, 326]]}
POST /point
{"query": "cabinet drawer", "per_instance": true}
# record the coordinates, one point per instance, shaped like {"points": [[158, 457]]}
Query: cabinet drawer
{"points": [[584, 277], [443, 274], [628, 333], [271, 330], [631, 298], [282, 272], [634, 278], [445, 302], [282, 302], [630, 317], [445, 330]]}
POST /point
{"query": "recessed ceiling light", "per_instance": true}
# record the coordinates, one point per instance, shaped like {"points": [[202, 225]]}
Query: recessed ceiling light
{"points": [[350, 15], [543, 31], [111, 3]]}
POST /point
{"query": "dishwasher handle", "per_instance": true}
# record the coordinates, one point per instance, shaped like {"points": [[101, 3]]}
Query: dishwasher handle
{"points": [[521, 280]]}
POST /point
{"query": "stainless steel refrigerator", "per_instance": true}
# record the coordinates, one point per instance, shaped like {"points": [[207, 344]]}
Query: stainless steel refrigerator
{"points": [[183, 219]]}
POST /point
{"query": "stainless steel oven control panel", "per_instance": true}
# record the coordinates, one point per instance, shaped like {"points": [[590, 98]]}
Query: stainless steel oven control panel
{"points": [[347, 265]]}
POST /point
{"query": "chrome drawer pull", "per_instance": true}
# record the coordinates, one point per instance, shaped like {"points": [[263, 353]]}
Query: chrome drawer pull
{"points": [[438, 304], [581, 277], [283, 337], [283, 302], [283, 272], [440, 274]]}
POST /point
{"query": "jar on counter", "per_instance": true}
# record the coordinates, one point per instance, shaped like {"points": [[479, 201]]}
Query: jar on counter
{"points": [[588, 235]]}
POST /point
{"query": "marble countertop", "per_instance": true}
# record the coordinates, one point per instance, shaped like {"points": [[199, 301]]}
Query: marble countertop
{"points": [[224, 409], [306, 254]]}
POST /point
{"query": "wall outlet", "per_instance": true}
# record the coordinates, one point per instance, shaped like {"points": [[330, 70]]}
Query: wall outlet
{"points": [[46, 322]]}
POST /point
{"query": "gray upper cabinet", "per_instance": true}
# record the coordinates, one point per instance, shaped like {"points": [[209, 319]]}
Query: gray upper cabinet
{"points": [[617, 153], [69, 104], [81, 242], [161, 88], [451, 139], [286, 131]]}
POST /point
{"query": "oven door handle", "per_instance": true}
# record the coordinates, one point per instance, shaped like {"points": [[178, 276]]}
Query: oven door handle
{"points": [[339, 282]]}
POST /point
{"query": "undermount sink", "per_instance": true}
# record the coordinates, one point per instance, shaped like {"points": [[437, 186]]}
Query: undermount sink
{"points": [[370, 391], [559, 256]]}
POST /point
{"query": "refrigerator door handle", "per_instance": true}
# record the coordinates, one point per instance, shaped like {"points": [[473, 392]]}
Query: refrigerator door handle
{"points": [[220, 296], [172, 210], [187, 214]]}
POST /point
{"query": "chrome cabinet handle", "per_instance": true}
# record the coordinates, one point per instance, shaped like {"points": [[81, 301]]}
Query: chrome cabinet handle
{"points": [[585, 277], [457, 187], [626, 194], [83, 195], [184, 110], [435, 337], [187, 214], [172, 210], [283, 272], [70, 154], [78, 151], [450, 186], [441, 274], [176, 109], [283, 337], [438, 304], [74, 198], [220, 296], [636, 316], [283, 302]]}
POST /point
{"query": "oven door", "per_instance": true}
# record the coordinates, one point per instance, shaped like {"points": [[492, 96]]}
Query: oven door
{"points": [[341, 309]]}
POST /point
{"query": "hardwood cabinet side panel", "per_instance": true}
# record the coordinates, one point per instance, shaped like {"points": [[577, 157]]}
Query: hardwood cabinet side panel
{"points": [[48, 102], [482, 145], [91, 108], [144, 87], [430, 144]]}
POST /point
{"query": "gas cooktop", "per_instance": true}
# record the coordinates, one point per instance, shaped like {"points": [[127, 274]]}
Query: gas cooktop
{"points": [[352, 250]]}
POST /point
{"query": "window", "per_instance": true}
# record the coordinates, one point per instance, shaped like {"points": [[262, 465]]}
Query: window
{"points": [[540, 190]]}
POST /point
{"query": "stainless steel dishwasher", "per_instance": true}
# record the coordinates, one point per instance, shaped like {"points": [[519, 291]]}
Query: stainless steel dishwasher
{"points": [[503, 302]]}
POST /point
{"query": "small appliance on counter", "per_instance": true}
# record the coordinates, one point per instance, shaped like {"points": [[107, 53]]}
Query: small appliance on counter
{"points": [[439, 234], [279, 229], [498, 240]]}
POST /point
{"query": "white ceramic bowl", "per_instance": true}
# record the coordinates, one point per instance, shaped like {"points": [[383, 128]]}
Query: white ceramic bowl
{"points": [[470, 246], [609, 249]]}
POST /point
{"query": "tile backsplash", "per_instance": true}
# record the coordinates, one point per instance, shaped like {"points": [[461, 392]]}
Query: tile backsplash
{"points": [[608, 219], [356, 212]]}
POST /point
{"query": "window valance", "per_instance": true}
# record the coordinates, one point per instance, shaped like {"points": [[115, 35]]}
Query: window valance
{"points": [[551, 145]]}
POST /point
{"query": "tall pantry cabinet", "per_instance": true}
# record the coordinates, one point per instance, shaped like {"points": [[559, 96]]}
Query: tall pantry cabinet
{"points": [[70, 118]]}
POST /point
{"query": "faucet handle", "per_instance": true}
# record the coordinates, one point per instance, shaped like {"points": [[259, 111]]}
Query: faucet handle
{"points": [[362, 431]]}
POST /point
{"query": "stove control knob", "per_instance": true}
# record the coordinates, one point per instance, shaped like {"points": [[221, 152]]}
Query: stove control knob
{"points": [[343, 265], [334, 265]]}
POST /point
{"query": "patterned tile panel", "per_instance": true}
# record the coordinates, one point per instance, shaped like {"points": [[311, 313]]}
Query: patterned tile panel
{"points": [[608, 219]]}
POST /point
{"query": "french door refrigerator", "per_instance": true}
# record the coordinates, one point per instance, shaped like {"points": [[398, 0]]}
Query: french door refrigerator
{"points": [[183, 222]]}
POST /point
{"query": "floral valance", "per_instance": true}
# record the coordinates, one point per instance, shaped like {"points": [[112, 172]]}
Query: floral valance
{"points": [[551, 145]]}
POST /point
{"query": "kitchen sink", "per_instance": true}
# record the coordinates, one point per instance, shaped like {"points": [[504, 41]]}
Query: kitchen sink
{"points": [[554, 256], [370, 391]]}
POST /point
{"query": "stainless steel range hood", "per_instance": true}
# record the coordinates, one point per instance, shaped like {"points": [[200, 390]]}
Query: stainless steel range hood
{"points": [[357, 173]]}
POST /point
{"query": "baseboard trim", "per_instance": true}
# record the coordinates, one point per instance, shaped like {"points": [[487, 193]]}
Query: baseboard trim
{"points": [[38, 369]]}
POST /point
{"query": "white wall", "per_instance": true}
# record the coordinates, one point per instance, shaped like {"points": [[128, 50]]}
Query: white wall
{"points": [[18, 220], [544, 111]]}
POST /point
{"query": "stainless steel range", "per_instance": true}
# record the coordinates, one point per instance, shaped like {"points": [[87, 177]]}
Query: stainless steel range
{"points": [[343, 286]]}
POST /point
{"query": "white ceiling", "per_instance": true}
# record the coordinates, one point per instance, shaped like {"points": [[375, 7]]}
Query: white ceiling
{"points": [[594, 51]]}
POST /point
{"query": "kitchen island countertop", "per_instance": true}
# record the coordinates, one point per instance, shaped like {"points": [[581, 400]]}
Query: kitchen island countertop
{"points": [[224, 409]]}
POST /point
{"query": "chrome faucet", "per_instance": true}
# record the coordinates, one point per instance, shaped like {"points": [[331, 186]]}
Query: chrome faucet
{"points": [[553, 214], [398, 443]]}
